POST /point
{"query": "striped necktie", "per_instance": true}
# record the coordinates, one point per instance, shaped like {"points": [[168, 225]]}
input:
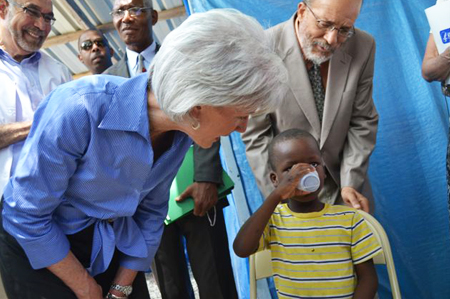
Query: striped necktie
{"points": [[141, 65], [318, 91]]}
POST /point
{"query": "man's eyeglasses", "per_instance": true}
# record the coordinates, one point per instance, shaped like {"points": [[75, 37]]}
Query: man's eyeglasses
{"points": [[132, 11], [88, 44], [35, 13], [345, 32]]}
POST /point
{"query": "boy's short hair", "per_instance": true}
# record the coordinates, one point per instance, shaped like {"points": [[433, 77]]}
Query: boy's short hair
{"points": [[285, 136]]}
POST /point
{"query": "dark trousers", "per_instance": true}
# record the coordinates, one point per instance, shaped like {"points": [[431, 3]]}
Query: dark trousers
{"points": [[209, 257], [21, 281]]}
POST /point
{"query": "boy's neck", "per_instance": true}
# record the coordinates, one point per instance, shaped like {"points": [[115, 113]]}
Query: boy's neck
{"points": [[305, 207]]}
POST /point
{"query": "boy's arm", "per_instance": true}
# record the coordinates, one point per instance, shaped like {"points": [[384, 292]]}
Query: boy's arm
{"points": [[247, 239], [367, 285]]}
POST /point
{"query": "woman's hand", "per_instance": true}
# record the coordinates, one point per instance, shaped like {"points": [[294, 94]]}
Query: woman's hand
{"points": [[91, 290], [75, 276]]}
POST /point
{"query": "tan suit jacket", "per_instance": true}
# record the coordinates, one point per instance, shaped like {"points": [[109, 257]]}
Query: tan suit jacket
{"points": [[348, 133]]}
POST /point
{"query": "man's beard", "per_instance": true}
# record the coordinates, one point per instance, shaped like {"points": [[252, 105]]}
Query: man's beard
{"points": [[308, 44], [19, 38]]}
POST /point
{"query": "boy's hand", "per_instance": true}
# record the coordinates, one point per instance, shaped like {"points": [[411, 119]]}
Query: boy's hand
{"points": [[287, 187]]}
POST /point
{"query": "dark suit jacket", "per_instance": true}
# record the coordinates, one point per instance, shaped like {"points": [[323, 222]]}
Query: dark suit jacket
{"points": [[207, 165], [119, 69]]}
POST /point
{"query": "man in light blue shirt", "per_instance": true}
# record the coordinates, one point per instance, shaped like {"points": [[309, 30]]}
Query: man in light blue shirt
{"points": [[26, 75]]}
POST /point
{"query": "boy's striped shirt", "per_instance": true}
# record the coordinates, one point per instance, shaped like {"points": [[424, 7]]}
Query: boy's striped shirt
{"points": [[313, 254]]}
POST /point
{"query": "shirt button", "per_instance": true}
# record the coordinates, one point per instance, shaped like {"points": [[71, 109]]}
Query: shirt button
{"points": [[110, 220]]}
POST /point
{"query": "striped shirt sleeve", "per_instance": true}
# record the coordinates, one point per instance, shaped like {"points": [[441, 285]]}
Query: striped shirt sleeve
{"points": [[364, 245]]}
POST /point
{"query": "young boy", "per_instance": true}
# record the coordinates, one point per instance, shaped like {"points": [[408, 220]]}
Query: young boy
{"points": [[318, 250]]}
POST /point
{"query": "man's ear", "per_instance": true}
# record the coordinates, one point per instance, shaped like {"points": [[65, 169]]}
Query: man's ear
{"points": [[111, 51], [80, 58], [274, 178], [154, 17], [301, 8]]}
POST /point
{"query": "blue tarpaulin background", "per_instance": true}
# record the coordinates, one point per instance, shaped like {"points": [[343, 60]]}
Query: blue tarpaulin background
{"points": [[407, 168]]}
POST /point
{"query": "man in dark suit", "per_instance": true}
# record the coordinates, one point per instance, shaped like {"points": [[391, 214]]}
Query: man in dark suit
{"points": [[204, 230], [134, 21]]}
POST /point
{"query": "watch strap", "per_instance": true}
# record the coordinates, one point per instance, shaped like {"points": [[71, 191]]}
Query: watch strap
{"points": [[126, 290], [112, 296]]}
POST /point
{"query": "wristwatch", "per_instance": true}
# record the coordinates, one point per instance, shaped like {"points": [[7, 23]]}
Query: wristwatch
{"points": [[126, 290], [112, 296]]}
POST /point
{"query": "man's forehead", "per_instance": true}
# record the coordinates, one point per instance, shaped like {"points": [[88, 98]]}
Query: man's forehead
{"points": [[91, 35], [43, 5], [337, 11], [130, 3]]}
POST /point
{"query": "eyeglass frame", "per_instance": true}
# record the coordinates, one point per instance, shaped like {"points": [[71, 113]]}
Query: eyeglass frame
{"points": [[137, 13], [331, 26], [49, 18], [98, 43]]}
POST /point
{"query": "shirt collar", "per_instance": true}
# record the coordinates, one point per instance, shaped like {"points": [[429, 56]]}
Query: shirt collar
{"points": [[30, 59], [148, 54], [128, 109]]}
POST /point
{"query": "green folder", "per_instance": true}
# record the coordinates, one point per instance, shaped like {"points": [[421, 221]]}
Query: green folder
{"points": [[184, 178]]}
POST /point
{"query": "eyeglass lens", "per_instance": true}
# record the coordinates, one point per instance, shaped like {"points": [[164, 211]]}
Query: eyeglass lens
{"points": [[87, 44]]}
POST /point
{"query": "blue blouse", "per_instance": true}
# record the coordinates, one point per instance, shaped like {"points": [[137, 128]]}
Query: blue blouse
{"points": [[88, 160]]}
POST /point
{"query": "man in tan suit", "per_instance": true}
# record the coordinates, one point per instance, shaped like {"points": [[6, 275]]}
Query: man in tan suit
{"points": [[330, 66]]}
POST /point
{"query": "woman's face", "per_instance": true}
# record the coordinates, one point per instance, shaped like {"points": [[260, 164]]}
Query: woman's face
{"points": [[217, 121]]}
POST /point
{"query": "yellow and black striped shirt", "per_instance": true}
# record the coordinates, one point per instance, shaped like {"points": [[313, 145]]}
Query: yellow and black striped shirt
{"points": [[313, 254]]}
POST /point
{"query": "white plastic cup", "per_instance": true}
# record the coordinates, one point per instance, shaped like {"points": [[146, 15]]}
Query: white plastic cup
{"points": [[310, 182]]}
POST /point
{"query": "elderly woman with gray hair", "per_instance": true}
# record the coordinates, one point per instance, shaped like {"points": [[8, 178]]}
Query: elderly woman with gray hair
{"points": [[83, 215]]}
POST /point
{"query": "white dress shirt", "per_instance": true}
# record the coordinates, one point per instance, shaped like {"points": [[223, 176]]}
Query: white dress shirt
{"points": [[23, 85]]}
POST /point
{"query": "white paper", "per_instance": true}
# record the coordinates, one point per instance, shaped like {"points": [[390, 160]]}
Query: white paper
{"points": [[439, 20]]}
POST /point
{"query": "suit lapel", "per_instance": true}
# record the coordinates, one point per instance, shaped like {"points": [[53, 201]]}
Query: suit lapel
{"points": [[122, 67], [337, 77], [289, 50]]}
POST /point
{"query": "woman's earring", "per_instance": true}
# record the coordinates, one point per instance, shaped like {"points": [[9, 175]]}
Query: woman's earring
{"points": [[196, 126]]}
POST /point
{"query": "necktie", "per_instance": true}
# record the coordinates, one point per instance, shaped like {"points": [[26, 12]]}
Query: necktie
{"points": [[141, 65], [318, 91]]}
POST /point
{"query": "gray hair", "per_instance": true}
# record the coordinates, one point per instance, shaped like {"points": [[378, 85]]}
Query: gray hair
{"points": [[217, 58]]}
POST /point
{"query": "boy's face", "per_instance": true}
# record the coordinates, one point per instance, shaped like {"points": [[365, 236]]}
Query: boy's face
{"points": [[295, 151]]}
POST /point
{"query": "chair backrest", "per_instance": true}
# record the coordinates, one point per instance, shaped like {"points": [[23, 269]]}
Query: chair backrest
{"points": [[386, 256], [260, 267], [261, 262]]}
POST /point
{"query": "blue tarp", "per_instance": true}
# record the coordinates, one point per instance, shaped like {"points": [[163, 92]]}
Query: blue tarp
{"points": [[407, 168]]}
